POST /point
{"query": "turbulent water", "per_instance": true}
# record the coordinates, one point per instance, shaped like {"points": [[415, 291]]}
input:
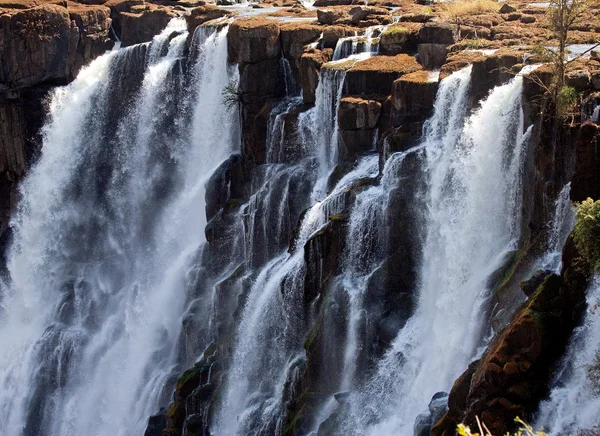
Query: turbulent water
{"points": [[106, 238], [111, 288], [574, 402]]}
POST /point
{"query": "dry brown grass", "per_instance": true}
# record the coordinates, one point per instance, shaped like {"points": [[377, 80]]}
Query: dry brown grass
{"points": [[451, 11]]}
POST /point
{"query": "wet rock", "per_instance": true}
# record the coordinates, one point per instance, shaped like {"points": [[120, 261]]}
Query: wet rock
{"points": [[141, 26], [438, 33], [329, 16], [375, 75], [530, 286], [252, 40], [156, 425], [432, 56]]}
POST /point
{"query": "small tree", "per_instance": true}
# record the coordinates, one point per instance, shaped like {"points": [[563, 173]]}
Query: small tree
{"points": [[563, 15], [233, 97]]}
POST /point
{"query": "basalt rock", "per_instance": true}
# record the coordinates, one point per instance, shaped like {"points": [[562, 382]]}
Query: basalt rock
{"points": [[586, 180], [203, 14], [375, 75], [413, 96], [513, 375], [141, 25], [50, 43], [399, 39], [310, 66], [438, 33], [252, 40], [432, 56], [295, 36], [329, 16]]}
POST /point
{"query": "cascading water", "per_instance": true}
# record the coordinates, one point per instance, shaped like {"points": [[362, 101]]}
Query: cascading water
{"points": [[563, 222], [366, 44], [574, 401], [467, 239], [106, 236], [270, 332]]}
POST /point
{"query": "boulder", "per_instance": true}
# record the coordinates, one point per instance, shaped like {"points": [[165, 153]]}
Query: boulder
{"points": [[361, 13], [358, 114], [374, 76], [142, 25], [438, 33], [528, 19], [202, 14], [329, 16], [415, 18], [512, 17], [507, 9], [432, 56], [253, 40]]}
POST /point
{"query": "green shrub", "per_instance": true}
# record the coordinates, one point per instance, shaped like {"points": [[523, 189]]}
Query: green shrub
{"points": [[587, 232], [566, 100], [396, 30]]}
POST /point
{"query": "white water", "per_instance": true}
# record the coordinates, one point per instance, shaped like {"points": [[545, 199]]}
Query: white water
{"points": [[573, 404], [358, 44], [563, 221], [269, 335], [470, 161], [105, 236]]}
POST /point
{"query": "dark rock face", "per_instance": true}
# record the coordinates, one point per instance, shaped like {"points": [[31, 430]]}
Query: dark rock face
{"points": [[438, 33], [141, 25], [50, 43], [41, 46], [513, 376]]}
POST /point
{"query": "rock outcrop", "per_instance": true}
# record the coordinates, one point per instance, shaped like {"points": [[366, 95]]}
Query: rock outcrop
{"points": [[41, 45]]}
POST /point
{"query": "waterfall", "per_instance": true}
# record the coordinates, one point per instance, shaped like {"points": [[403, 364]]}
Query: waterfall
{"points": [[270, 332], [563, 221], [366, 44], [574, 402], [107, 235], [468, 161]]}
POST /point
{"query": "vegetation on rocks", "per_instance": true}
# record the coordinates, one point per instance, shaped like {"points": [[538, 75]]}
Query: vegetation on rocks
{"points": [[587, 232], [454, 11]]}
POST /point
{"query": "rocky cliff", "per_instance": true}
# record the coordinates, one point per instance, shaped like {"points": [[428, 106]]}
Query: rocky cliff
{"points": [[379, 107]]}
